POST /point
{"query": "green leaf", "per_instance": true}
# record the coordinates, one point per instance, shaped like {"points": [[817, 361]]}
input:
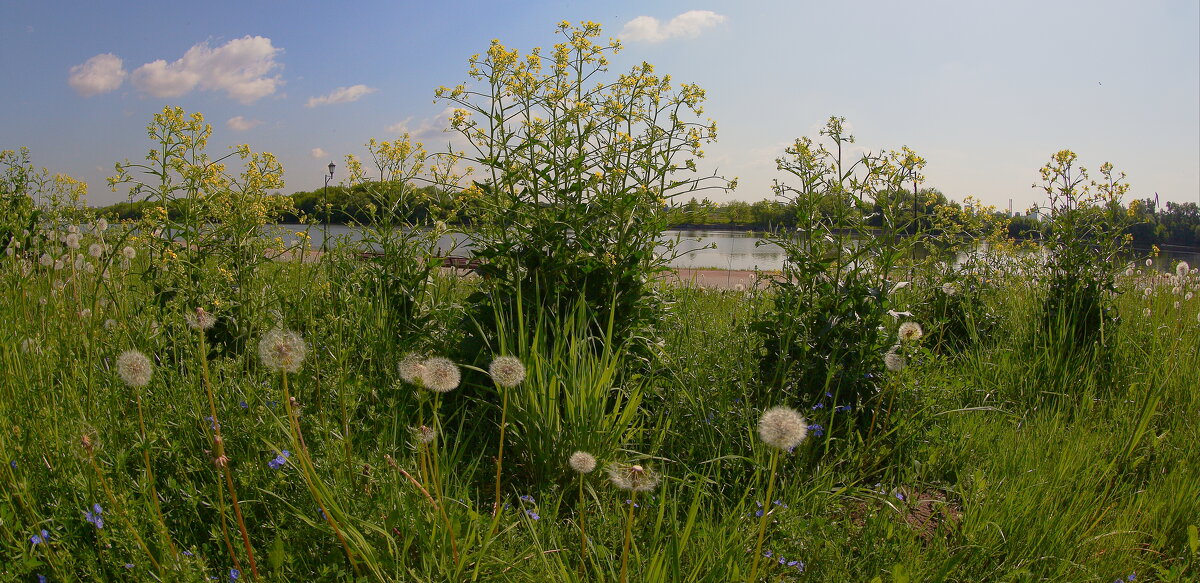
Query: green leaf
{"points": [[277, 553]]}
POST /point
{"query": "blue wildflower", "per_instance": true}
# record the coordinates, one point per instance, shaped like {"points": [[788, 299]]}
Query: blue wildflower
{"points": [[128, 565], [816, 430], [768, 554], [38, 539], [243, 404], [94, 516], [631, 502], [842, 409], [41, 578], [819, 406], [13, 464], [799, 565], [780, 503], [532, 514], [528, 498], [280, 460], [234, 574], [187, 553]]}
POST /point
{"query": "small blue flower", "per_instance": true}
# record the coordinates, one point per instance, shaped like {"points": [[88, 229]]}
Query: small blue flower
{"points": [[842, 409], [280, 460], [94, 516], [780, 503], [38, 539], [234, 574], [41, 578], [14, 466], [211, 422], [816, 429], [631, 502], [243, 404], [532, 514], [128, 565], [768, 554], [819, 406], [528, 498], [187, 553], [799, 565], [899, 496], [1131, 577]]}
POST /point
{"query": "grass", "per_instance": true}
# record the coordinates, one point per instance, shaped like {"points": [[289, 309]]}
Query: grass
{"points": [[995, 463]]}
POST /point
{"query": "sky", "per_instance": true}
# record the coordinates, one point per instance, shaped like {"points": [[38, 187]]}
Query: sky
{"points": [[985, 91]]}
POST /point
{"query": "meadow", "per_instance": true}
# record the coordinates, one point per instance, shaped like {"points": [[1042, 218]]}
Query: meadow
{"points": [[186, 398]]}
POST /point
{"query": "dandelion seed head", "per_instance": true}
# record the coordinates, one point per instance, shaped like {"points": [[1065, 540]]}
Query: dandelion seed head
{"points": [[282, 350], [45, 260], [101, 226], [894, 362], [582, 462], [507, 371], [200, 319], [910, 331], [95, 250], [1149, 262], [411, 368], [782, 428], [633, 478], [72, 240], [134, 368], [424, 434], [441, 375], [948, 289], [128, 252], [1182, 268]]}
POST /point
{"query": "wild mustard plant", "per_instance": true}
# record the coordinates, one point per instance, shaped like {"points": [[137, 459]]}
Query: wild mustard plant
{"points": [[576, 171]]}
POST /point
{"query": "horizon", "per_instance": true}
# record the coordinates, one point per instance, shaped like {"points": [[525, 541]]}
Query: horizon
{"points": [[985, 93]]}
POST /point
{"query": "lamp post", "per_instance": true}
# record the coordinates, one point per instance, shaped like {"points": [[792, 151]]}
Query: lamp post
{"points": [[325, 196]]}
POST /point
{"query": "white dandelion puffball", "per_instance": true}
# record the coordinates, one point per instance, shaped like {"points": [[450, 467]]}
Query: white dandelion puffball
{"points": [[633, 478], [282, 350], [910, 331], [200, 319], [72, 240], [441, 375], [95, 250], [128, 252], [948, 288], [134, 368], [411, 368], [894, 362], [101, 226], [424, 434], [582, 462], [1182, 268], [782, 428], [507, 371]]}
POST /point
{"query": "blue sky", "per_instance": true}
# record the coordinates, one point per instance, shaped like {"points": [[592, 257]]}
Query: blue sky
{"points": [[986, 91]]}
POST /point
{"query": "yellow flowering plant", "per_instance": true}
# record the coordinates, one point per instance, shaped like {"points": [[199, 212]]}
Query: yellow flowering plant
{"points": [[203, 215], [577, 171]]}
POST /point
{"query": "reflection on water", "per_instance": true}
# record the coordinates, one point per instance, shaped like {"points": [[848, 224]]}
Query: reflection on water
{"points": [[696, 249]]}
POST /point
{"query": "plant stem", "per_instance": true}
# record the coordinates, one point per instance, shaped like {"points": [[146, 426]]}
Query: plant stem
{"points": [[762, 522], [628, 537]]}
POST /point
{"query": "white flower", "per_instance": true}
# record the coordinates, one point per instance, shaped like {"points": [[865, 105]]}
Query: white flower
{"points": [[282, 350], [948, 288], [134, 368], [1182, 268], [72, 240], [633, 477], [411, 368], [782, 428], [440, 375], [894, 362], [582, 462], [129, 252], [101, 226], [507, 371], [910, 331]]}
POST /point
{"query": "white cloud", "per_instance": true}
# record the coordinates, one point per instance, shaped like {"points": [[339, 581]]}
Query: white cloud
{"points": [[318, 153], [241, 68], [341, 95], [99, 74], [241, 124], [426, 130], [687, 25]]}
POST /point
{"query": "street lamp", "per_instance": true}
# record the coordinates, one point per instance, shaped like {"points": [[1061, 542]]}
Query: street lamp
{"points": [[325, 196]]}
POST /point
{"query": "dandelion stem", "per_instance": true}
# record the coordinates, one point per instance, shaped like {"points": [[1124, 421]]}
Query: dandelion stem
{"points": [[162, 521], [500, 452], [762, 521], [628, 537]]}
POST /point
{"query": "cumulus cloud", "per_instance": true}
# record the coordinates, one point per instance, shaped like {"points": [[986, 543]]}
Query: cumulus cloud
{"points": [[241, 124], [427, 129], [318, 153], [99, 74], [687, 25], [242, 68], [341, 95]]}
